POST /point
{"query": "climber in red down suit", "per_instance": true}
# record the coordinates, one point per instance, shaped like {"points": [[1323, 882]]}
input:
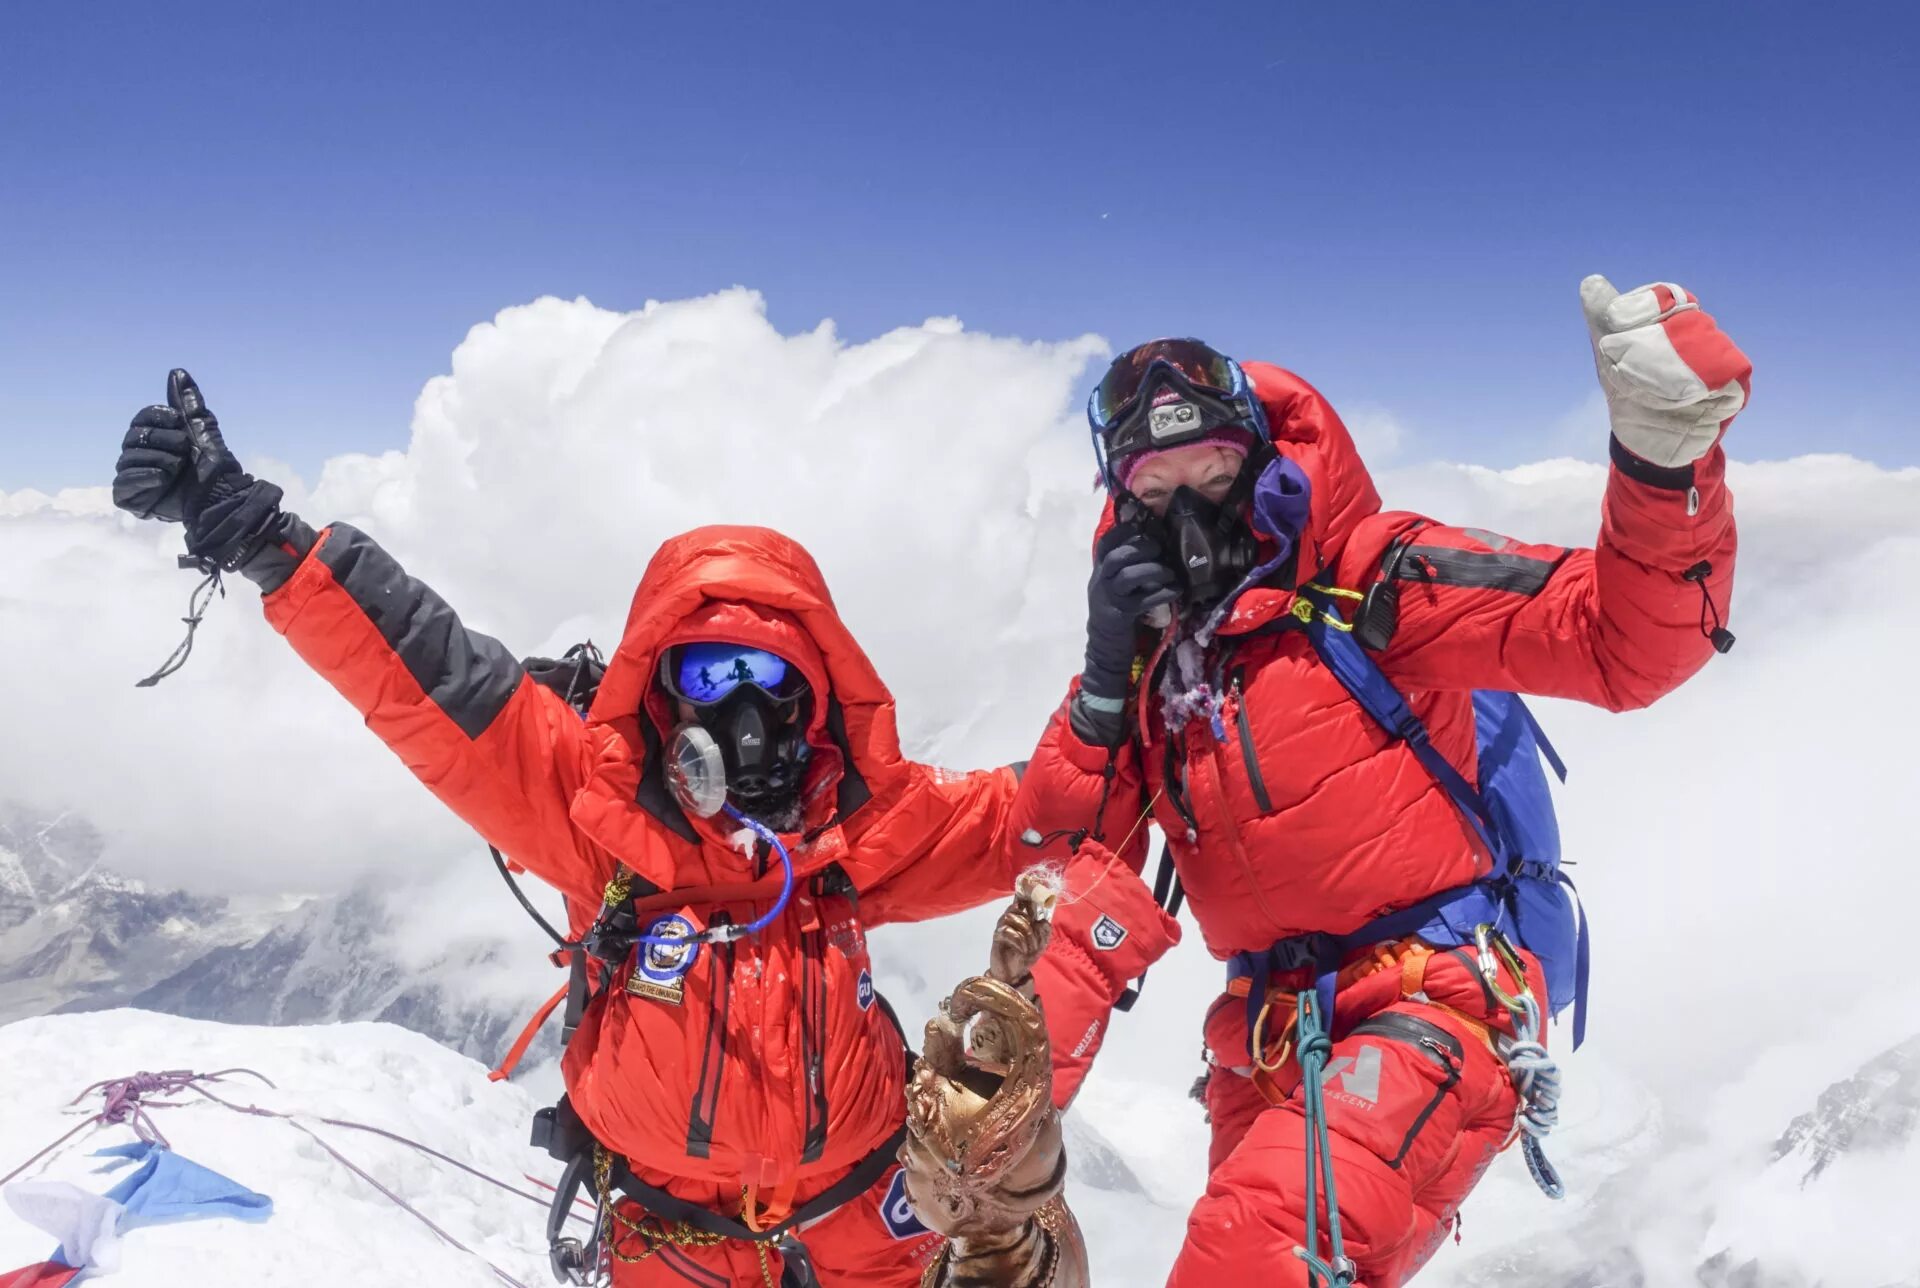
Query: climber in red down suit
{"points": [[732, 815], [1243, 539]]}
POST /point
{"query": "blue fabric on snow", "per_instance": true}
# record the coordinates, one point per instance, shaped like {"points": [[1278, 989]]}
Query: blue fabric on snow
{"points": [[166, 1187]]}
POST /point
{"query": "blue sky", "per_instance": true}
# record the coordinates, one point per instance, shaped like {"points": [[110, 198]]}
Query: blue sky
{"points": [[310, 205]]}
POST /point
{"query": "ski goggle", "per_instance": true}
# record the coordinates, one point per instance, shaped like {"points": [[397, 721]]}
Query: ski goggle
{"points": [[1165, 393], [705, 673]]}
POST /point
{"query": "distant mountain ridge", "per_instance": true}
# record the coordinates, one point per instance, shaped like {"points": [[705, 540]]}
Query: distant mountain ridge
{"points": [[76, 936]]}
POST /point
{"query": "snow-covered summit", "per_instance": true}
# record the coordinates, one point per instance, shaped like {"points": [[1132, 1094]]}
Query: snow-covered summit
{"points": [[328, 1226]]}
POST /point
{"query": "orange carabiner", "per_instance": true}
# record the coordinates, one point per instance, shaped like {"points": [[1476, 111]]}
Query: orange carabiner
{"points": [[1259, 1041]]}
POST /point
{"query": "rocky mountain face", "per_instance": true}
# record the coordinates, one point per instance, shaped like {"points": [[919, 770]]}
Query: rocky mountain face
{"points": [[1876, 1108], [38, 858], [75, 936], [335, 959], [73, 933]]}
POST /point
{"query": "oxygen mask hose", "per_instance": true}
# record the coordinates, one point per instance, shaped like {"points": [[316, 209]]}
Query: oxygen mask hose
{"points": [[765, 833], [727, 932]]}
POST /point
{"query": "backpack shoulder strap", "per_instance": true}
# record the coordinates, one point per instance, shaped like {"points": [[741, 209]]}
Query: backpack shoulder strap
{"points": [[1332, 639], [1540, 740]]}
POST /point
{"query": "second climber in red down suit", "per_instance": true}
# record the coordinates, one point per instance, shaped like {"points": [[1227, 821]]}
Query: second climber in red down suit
{"points": [[1242, 531]]}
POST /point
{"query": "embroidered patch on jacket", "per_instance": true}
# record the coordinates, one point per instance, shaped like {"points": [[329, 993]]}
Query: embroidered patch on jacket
{"points": [[863, 990], [660, 970], [1108, 934]]}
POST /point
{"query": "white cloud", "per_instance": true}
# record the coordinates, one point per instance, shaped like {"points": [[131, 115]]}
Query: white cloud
{"points": [[940, 478], [1581, 431], [1744, 847], [1377, 432]]}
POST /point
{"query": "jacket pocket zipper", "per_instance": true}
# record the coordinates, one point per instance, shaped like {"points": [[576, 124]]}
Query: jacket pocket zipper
{"points": [[1247, 753], [713, 1054], [1431, 1041]]}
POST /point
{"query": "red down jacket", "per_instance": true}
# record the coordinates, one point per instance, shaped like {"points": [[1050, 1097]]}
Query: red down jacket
{"points": [[774, 1069], [1296, 813]]}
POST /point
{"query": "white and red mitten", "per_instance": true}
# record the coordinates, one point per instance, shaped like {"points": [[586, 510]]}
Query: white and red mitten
{"points": [[1671, 376], [1107, 930]]}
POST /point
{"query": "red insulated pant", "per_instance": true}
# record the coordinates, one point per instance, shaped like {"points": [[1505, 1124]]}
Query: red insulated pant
{"points": [[1418, 1106], [873, 1239]]}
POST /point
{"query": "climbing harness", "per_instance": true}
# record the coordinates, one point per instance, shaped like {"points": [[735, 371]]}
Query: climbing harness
{"points": [[656, 1235], [669, 1222]]}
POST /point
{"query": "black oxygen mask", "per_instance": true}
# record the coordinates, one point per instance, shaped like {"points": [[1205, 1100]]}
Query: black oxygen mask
{"points": [[1210, 545], [765, 755], [744, 741]]}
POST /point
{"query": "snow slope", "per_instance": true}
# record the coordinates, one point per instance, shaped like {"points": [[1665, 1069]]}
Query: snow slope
{"points": [[328, 1226], [1757, 1192]]}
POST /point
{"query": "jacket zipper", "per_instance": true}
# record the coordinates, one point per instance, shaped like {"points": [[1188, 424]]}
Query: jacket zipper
{"points": [[713, 1055], [813, 1026], [1247, 753]]}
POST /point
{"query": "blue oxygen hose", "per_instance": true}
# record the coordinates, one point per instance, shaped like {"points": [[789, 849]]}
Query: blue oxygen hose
{"points": [[726, 933], [765, 833]]}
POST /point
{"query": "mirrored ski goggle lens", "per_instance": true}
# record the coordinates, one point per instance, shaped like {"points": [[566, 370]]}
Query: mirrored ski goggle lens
{"points": [[1203, 366], [706, 673]]}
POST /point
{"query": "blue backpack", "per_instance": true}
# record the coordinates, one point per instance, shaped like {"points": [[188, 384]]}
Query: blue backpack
{"points": [[1526, 896]]}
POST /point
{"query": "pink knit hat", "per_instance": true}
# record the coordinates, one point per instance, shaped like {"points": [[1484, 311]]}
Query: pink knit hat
{"points": [[1232, 437]]}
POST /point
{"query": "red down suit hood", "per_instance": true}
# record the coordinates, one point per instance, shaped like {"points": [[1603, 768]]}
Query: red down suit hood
{"points": [[770, 1060]]}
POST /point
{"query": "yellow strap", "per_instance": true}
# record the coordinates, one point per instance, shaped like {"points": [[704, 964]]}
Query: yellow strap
{"points": [[1334, 590], [1303, 610]]}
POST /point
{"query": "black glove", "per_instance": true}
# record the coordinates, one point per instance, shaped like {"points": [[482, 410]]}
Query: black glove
{"points": [[1129, 581], [174, 466]]}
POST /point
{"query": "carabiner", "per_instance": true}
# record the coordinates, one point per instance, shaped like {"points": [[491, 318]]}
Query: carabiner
{"points": [[1259, 1042], [1489, 941]]}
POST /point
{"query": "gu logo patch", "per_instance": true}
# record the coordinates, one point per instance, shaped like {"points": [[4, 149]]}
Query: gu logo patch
{"points": [[1108, 934], [898, 1213], [660, 970], [863, 990]]}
